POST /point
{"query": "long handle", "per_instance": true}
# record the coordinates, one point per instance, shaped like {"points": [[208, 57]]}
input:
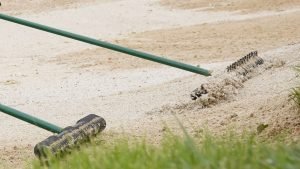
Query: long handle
{"points": [[108, 45], [30, 119]]}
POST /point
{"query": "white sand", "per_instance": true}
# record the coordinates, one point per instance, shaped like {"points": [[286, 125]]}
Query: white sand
{"points": [[30, 81]]}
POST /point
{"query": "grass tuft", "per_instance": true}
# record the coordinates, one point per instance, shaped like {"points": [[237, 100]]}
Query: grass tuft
{"points": [[175, 152], [296, 95], [296, 91]]}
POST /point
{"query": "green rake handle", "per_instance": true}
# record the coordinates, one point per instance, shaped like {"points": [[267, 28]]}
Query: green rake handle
{"points": [[30, 119], [107, 45]]}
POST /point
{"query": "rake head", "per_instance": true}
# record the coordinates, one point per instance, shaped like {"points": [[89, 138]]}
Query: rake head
{"points": [[233, 77], [246, 64], [71, 137]]}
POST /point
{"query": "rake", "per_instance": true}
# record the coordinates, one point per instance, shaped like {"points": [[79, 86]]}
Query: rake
{"points": [[65, 138], [91, 124]]}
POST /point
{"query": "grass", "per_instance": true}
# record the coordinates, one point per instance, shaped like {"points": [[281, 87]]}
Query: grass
{"points": [[296, 95], [175, 152], [296, 90]]}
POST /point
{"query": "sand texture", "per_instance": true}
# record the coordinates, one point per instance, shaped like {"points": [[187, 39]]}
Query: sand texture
{"points": [[62, 80]]}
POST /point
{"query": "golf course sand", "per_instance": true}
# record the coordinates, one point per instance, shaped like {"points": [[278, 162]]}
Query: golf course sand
{"points": [[62, 80]]}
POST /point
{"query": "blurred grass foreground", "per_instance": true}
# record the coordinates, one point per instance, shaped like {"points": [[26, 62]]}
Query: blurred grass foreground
{"points": [[175, 152]]}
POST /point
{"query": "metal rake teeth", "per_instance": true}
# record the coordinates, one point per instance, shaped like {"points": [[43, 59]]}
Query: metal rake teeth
{"points": [[247, 62], [220, 86]]}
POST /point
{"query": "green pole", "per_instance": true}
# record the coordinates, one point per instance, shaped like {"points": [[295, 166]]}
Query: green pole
{"points": [[108, 45], [30, 119]]}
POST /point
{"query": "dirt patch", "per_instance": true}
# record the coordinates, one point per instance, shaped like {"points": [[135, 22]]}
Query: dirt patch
{"points": [[232, 5], [235, 116], [197, 44], [16, 157]]}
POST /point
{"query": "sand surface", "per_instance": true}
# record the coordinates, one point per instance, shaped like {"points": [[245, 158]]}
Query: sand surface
{"points": [[61, 80], [232, 5]]}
